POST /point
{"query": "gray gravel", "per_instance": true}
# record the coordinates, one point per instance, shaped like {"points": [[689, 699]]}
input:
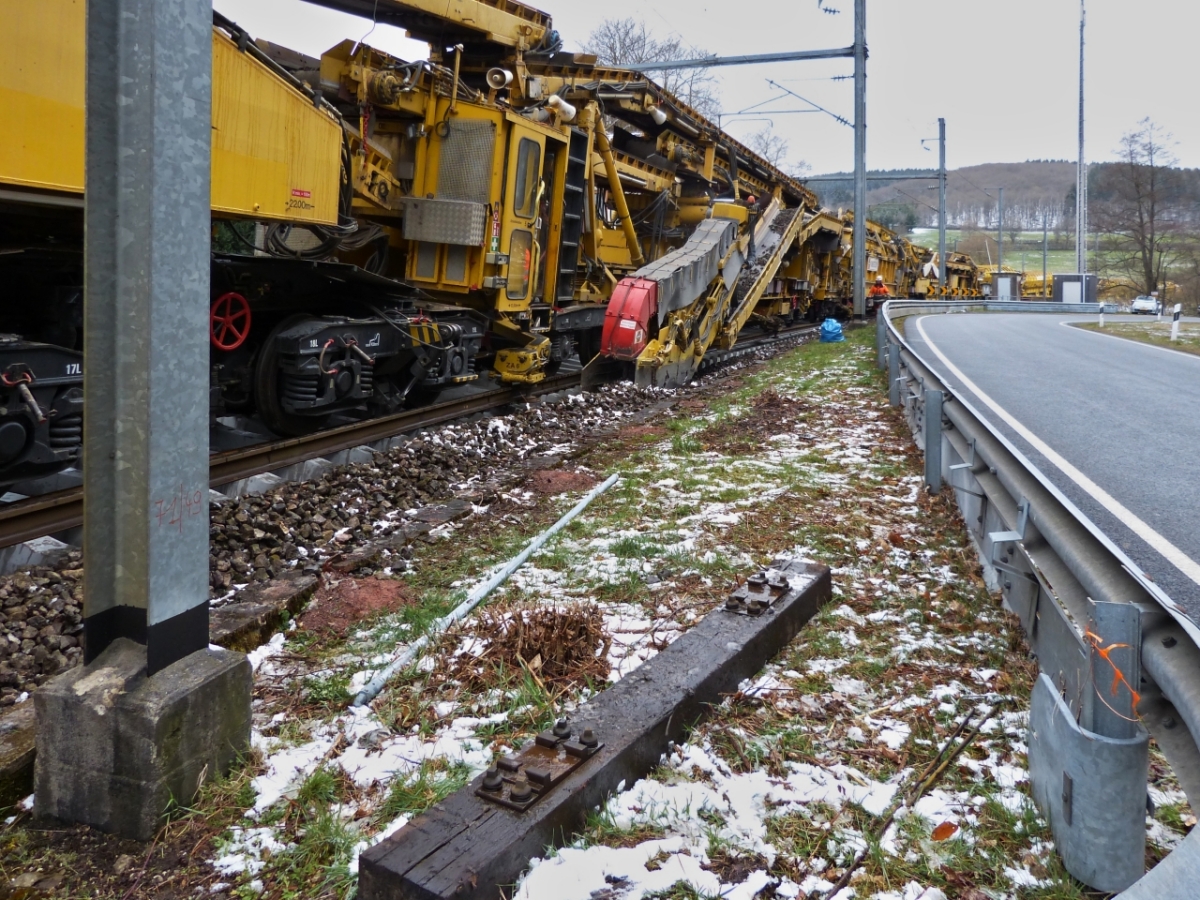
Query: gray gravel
{"points": [[300, 526]]}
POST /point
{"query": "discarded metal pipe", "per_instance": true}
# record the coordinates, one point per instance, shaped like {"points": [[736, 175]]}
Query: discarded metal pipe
{"points": [[460, 612]]}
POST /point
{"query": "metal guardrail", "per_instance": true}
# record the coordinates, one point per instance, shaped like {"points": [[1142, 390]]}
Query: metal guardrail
{"points": [[1029, 306], [1068, 583]]}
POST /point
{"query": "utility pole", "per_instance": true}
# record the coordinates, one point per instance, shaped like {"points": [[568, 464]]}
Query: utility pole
{"points": [[860, 158], [1000, 234], [859, 52], [1045, 251], [1081, 169], [941, 207], [153, 708]]}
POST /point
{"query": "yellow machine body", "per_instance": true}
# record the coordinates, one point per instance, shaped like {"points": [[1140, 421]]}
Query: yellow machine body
{"points": [[274, 155], [41, 94]]}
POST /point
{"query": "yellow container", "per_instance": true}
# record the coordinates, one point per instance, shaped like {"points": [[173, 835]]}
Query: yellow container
{"points": [[274, 155], [41, 93]]}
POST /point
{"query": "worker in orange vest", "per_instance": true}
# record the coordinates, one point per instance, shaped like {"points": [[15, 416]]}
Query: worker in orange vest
{"points": [[879, 290]]}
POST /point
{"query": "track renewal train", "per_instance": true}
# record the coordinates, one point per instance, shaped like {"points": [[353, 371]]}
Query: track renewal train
{"points": [[383, 228]]}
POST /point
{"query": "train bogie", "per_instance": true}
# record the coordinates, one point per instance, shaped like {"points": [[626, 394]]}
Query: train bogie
{"points": [[41, 409], [384, 229]]}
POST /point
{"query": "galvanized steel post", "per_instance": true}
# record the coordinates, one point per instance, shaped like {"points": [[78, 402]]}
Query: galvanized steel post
{"points": [[1109, 708], [860, 158], [881, 341], [941, 208], [999, 244], [147, 250], [1081, 168], [1045, 254], [894, 374], [933, 441]]}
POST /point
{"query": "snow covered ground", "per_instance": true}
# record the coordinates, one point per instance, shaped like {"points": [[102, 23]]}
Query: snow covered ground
{"points": [[806, 778]]}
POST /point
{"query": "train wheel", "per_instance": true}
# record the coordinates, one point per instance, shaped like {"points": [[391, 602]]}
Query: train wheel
{"points": [[267, 389]]}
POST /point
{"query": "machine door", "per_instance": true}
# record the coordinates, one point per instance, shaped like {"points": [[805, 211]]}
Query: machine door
{"points": [[521, 229]]}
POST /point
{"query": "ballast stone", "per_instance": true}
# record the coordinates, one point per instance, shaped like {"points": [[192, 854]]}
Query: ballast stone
{"points": [[115, 747]]}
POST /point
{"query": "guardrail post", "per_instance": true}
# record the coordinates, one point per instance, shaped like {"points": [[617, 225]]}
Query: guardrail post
{"points": [[894, 375], [933, 441], [1115, 644], [881, 341], [1089, 777]]}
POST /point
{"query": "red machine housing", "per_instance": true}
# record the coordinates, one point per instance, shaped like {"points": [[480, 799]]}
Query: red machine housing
{"points": [[627, 319]]}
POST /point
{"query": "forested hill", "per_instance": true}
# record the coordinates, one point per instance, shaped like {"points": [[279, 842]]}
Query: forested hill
{"points": [[1031, 190]]}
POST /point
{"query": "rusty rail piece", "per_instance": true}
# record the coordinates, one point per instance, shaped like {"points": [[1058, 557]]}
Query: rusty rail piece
{"points": [[481, 838], [24, 520]]}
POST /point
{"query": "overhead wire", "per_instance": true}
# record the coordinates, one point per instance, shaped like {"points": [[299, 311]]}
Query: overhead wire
{"points": [[374, 22]]}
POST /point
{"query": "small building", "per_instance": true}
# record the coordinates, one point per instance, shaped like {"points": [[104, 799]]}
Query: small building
{"points": [[1006, 286], [1075, 288]]}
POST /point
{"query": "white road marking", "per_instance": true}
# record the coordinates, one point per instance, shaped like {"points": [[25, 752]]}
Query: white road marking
{"points": [[1156, 541], [1117, 337]]}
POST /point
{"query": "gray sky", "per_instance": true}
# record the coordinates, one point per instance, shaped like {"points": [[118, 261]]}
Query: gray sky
{"points": [[1003, 73]]}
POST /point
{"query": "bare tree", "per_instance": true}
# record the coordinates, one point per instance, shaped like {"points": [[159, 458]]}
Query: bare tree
{"points": [[774, 149], [622, 42], [1138, 204], [769, 145], [800, 169]]}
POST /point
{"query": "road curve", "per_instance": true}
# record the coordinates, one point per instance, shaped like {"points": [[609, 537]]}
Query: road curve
{"points": [[1113, 423]]}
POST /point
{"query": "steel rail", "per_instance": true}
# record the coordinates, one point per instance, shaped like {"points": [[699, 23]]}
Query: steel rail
{"points": [[232, 465], [34, 517], [1062, 561]]}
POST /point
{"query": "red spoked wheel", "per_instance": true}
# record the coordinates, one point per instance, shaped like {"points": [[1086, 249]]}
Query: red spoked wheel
{"points": [[229, 321]]}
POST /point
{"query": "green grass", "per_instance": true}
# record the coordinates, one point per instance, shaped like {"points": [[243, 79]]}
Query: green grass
{"points": [[331, 690], [1156, 333], [433, 782]]}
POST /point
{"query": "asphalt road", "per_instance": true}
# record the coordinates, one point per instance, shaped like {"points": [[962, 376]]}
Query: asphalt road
{"points": [[1126, 415]]}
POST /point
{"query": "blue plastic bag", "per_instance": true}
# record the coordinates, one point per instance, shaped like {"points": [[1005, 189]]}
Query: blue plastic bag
{"points": [[831, 331]]}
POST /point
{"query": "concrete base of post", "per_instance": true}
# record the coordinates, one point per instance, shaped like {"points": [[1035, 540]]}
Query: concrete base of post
{"points": [[115, 748]]}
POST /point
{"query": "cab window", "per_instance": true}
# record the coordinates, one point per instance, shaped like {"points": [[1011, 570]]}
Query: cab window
{"points": [[528, 163], [520, 249]]}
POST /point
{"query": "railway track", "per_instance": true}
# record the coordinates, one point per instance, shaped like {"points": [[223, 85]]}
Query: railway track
{"points": [[35, 517]]}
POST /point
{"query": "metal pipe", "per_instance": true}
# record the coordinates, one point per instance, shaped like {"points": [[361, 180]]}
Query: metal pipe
{"points": [[860, 158], [458, 52], [460, 612], [614, 185]]}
